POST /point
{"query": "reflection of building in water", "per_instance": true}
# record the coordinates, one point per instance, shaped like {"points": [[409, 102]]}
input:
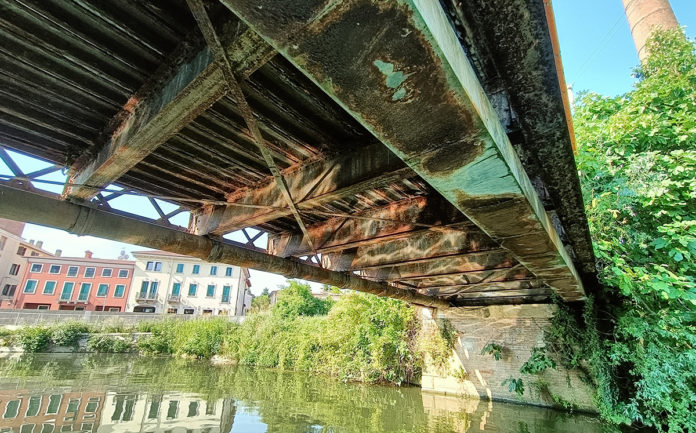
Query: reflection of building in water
{"points": [[129, 412], [26, 412]]}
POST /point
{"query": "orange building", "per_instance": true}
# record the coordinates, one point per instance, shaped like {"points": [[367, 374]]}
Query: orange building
{"points": [[50, 412], [74, 283]]}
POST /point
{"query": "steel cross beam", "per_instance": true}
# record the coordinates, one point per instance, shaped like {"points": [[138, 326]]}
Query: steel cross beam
{"points": [[399, 69], [199, 13], [48, 210]]}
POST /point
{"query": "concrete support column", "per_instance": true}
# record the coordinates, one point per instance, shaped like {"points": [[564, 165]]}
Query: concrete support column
{"points": [[517, 329], [644, 16]]}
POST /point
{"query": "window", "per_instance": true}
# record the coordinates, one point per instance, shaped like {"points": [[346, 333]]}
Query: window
{"points": [[43, 307], [228, 271], [14, 269], [153, 266], [72, 271], [171, 310], [179, 268], [92, 405], [36, 267], [213, 270], [123, 273], [12, 409], [34, 254], [84, 292], [53, 404], [103, 290], [21, 251], [49, 288], [196, 269], [89, 272], [172, 409], [153, 289], [9, 290], [34, 405], [188, 310], [66, 293], [176, 289], [226, 294], [107, 272], [143, 289], [193, 409], [207, 312], [114, 309], [119, 290], [30, 286], [3, 241], [54, 269], [192, 289], [211, 291], [154, 410]]}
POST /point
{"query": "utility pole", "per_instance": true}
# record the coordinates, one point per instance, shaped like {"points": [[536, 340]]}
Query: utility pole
{"points": [[644, 16]]}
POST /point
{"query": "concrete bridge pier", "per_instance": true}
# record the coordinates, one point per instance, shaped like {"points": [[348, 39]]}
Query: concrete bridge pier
{"points": [[517, 329]]}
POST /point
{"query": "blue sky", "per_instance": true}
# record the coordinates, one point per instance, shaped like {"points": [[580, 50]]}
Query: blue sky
{"points": [[596, 45], [597, 53]]}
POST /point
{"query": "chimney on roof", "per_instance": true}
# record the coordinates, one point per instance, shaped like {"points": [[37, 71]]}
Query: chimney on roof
{"points": [[39, 244], [58, 253], [88, 254], [31, 241]]}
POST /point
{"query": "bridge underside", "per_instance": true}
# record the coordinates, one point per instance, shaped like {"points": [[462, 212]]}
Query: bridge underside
{"points": [[413, 148]]}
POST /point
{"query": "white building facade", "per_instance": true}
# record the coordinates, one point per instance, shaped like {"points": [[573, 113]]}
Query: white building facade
{"points": [[13, 259], [168, 283]]}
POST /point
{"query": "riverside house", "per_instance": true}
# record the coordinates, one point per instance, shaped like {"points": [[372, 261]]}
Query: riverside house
{"points": [[75, 283], [169, 283]]}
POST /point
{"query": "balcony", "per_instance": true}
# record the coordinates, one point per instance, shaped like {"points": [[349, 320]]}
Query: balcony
{"points": [[144, 299], [174, 299]]}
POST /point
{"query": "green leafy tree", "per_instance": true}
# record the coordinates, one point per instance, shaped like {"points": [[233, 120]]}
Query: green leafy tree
{"points": [[637, 160], [296, 300]]}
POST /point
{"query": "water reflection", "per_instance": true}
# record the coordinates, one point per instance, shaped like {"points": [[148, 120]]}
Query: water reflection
{"points": [[68, 393]]}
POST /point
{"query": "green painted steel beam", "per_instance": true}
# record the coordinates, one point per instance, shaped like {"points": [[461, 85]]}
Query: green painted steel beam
{"points": [[398, 68]]}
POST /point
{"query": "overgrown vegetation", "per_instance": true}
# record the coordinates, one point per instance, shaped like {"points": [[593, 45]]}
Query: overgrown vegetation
{"points": [[493, 349], [637, 161], [362, 338], [437, 342], [109, 344]]}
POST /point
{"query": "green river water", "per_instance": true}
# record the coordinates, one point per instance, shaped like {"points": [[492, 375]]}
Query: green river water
{"points": [[117, 393]]}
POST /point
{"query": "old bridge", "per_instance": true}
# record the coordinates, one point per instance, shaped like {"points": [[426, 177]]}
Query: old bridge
{"points": [[418, 149]]}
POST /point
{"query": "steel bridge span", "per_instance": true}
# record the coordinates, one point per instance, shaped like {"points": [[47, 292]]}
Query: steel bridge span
{"points": [[417, 149]]}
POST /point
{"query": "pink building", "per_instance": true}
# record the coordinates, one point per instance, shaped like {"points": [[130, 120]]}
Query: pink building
{"points": [[73, 283]]}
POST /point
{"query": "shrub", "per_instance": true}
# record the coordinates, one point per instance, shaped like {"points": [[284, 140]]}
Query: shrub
{"points": [[161, 342], [297, 300], [109, 344], [201, 338], [35, 339], [7, 337], [69, 333], [363, 338], [637, 160]]}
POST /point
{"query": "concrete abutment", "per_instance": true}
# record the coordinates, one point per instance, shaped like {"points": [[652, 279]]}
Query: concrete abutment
{"points": [[517, 329]]}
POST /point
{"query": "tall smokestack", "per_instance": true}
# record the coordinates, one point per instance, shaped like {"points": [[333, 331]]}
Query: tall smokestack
{"points": [[644, 16]]}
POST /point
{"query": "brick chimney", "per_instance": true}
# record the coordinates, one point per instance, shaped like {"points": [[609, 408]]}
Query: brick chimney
{"points": [[644, 16], [88, 254], [58, 253], [39, 244]]}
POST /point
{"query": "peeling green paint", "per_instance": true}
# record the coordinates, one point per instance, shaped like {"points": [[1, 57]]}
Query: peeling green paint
{"points": [[487, 174], [394, 78], [399, 94]]}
